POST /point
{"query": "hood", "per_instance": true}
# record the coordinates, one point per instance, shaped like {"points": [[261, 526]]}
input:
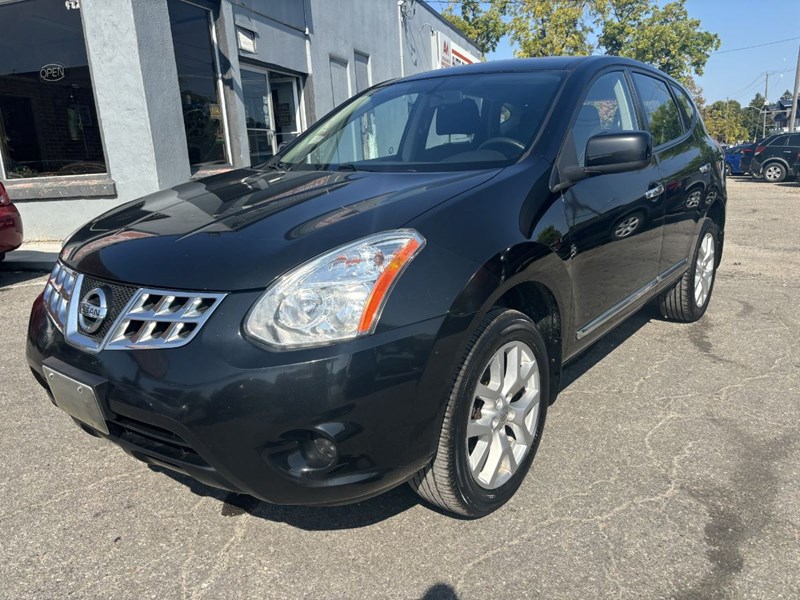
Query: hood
{"points": [[241, 229]]}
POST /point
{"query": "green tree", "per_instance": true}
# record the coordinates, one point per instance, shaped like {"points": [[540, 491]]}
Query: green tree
{"points": [[725, 121], [551, 27], [663, 36], [485, 24]]}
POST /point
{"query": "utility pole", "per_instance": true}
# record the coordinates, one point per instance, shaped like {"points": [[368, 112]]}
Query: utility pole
{"points": [[794, 97], [766, 106]]}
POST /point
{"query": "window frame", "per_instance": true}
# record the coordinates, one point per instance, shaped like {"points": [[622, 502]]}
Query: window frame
{"points": [[677, 92], [50, 179], [667, 83], [219, 84], [562, 159], [776, 138]]}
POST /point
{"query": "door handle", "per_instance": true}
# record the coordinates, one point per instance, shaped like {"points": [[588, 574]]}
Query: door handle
{"points": [[654, 193], [705, 168]]}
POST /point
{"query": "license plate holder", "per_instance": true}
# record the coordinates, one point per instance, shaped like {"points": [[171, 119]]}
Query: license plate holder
{"points": [[76, 395]]}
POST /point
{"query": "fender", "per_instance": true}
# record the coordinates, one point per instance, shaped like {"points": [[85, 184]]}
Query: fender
{"points": [[776, 159]]}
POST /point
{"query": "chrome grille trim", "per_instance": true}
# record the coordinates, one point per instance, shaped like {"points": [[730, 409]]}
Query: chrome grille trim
{"points": [[152, 318], [58, 292], [161, 319]]}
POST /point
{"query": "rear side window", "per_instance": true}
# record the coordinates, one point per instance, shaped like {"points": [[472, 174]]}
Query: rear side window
{"points": [[663, 119], [687, 106], [778, 141], [794, 139]]}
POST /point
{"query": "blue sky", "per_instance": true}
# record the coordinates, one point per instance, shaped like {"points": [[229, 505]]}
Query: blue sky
{"points": [[739, 23]]}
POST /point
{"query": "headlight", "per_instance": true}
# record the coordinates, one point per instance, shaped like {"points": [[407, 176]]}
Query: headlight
{"points": [[336, 296]]}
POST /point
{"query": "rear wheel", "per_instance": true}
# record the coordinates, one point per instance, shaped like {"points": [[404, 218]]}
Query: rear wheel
{"points": [[728, 170], [774, 172], [688, 299], [494, 418]]}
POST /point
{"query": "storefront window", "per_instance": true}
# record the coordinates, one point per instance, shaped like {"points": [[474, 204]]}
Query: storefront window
{"points": [[197, 79], [48, 121]]}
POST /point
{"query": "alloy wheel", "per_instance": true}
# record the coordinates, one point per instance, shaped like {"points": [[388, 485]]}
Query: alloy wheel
{"points": [[773, 173], [704, 270], [504, 415], [626, 227]]}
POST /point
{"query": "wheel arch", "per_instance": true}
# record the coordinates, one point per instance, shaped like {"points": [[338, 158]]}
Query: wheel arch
{"points": [[776, 159], [532, 278]]}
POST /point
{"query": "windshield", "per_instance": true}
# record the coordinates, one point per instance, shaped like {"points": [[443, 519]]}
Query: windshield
{"points": [[445, 123]]}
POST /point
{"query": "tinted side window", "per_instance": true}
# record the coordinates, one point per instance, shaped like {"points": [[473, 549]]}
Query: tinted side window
{"points": [[794, 139], [686, 104], [778, 141], [606, 108], [663, 120]]}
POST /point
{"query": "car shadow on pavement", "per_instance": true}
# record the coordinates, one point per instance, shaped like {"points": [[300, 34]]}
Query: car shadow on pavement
{"points": [[309, 518], [11, 277], [402, 498], [605, 345], [440, 591]]}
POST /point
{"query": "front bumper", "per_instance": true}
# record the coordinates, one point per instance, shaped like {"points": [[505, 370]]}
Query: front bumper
{"points": [[235, 415]]}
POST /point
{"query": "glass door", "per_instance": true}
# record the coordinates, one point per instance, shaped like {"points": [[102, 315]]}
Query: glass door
{"points": [[259, 115], [287, 107]]}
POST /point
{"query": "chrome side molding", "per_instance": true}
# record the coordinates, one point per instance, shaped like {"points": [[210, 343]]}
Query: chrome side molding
{"points": [[630, 299]]}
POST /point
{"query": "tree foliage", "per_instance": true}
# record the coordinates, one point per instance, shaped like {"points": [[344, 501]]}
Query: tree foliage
{"points": [[484, 25], [551, 27], [725, 121], [664, 36]]}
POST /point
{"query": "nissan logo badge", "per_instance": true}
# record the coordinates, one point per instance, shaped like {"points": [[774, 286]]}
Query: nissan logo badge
{"points": [[93, 310]]}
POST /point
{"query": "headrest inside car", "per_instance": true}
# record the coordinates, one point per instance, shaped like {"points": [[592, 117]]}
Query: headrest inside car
{"points": [[458, 118]]}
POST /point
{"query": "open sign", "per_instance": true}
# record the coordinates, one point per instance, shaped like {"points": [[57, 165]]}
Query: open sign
{"points": [[52, 72]]}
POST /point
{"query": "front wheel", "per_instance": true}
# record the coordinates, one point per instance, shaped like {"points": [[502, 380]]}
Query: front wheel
{"points": [[494, 418], [688, 299], [728, 170]]}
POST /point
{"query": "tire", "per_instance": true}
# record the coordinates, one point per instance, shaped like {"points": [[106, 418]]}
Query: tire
{"points": [[681, 302], [774, 172], [450, 482], [728, 170]]}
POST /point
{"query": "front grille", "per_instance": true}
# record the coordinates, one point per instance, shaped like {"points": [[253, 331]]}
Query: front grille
{"points": [[58, 293], [162, 319], [135, 318], [118, 298]]}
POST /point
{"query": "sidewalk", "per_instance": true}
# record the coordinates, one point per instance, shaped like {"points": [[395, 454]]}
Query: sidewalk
{"points": [[32, 256]]}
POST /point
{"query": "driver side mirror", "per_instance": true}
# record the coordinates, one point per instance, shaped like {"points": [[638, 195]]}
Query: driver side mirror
{"points": [[618, 152]]}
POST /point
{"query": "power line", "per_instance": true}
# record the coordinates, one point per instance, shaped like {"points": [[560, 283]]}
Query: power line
{"points": [[757, 45]]}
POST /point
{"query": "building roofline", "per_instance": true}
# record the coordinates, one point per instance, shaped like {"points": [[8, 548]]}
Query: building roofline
{"points": [[443, 20]]}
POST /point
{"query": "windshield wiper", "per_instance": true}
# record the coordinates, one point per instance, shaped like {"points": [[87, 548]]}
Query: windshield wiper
{"points": [[277, 165]]}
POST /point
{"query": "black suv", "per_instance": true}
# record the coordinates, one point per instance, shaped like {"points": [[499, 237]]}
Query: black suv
{"points": [[773, 158], [392, 298]]}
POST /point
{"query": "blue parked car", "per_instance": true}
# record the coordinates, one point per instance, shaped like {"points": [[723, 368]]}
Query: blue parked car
{"points": [[733, 158]]}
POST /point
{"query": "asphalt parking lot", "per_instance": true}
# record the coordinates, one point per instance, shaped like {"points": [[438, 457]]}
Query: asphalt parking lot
{"points": [[670, 467]]}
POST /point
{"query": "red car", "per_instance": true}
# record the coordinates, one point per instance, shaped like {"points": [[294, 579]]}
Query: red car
{"points": [[10, 224]]}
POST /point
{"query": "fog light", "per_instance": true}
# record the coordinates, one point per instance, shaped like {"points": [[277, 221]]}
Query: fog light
{"points": [[320, 452]]}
